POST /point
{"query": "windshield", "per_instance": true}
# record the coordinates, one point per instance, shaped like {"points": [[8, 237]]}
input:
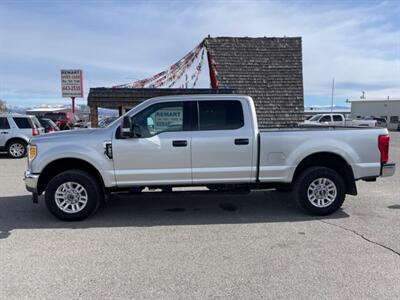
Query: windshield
{"points": [[315, 118]]}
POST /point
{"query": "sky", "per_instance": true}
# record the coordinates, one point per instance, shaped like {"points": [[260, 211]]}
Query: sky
{"points": [[115, 42]]}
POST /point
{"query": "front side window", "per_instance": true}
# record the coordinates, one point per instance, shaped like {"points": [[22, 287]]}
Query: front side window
{"points": [[325, 119], [220, 115], [22, 123], [4, 123], [160, 117]]}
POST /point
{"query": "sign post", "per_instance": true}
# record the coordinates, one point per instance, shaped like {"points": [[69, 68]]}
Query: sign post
{"points": [[72, 85]]}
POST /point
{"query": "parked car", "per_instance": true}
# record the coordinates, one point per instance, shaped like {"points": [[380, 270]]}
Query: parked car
{"points": [[48, 125], [203, 140], [380, 122], [337, 120], [64, 120], [15, 132]]}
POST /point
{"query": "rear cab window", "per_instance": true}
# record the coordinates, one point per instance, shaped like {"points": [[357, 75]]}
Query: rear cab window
{"points": [[220, 115]]}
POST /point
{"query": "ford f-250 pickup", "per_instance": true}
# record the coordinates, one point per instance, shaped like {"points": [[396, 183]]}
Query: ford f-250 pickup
{"points": [[211, 141]]}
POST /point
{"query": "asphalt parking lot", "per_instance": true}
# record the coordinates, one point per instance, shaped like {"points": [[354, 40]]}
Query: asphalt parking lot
{"points": [[248, 246]]}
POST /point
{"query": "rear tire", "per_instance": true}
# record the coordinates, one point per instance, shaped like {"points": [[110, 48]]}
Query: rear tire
{"points": [[17, 148], [73, 195], [320, 191]]}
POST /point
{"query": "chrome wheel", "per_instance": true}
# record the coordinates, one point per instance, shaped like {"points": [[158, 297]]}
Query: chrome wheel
{"points": [[71, 197], [322, 192], [17, 150]]}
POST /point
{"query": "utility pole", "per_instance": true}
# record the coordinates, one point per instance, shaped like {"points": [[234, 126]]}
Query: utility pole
{"points": [[333, 89], [73, 104]]}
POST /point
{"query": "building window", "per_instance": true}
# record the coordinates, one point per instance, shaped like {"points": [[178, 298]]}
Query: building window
{"points": [[394, 119]]}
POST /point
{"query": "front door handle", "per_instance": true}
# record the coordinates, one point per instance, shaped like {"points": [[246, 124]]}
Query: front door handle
{"points": [[179, 143], [241, 141]]}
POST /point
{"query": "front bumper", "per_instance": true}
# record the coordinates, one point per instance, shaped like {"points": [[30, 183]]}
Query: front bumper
{"points": [[388, 170], [31, 181]]}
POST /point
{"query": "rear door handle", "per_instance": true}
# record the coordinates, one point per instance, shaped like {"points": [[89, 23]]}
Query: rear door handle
{"points": [[4, 132], [241, 141], [179, 143]]}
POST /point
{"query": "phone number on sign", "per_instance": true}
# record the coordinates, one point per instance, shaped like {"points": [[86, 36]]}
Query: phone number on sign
{"points": [[71, 88]]}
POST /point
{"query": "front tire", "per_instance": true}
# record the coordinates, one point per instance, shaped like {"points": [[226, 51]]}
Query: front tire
{"points": [[73, 195], [320, 191], [17, 149]]}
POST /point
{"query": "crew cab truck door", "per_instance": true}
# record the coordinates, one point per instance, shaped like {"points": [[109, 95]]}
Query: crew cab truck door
{"points": [[159, 152], [222, 148], [338, 120], [326, 120], [5, 131]]}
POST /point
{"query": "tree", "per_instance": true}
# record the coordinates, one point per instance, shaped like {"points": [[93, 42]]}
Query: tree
{"points": [[3, 106]]}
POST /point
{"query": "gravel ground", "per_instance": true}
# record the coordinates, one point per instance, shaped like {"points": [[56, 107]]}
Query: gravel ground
{"points": [[194, 246]]}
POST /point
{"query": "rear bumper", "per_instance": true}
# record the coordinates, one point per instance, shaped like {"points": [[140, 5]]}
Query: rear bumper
{"points": [[31, 181], [388, 170]]}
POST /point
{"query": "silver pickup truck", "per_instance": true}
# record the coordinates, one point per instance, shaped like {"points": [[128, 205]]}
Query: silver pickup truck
{"points": [[211, 141]]}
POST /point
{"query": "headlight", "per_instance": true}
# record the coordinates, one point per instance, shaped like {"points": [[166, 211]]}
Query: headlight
{"points": [[32, 152]]}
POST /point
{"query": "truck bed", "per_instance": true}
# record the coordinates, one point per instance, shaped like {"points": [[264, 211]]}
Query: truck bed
{"points": [[282, 149]]}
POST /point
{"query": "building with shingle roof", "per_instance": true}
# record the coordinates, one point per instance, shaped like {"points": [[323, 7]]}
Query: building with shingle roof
{"points": [[269, 70]]}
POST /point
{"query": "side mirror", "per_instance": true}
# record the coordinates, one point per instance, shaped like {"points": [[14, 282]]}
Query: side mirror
{"points": [[126, 127]]}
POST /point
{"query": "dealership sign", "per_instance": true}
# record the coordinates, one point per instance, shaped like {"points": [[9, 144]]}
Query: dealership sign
{"points": [[72, 83]]}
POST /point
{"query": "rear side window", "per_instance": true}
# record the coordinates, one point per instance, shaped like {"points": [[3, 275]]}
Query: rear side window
{"points": [[22, 123], [220, 115], [337, 118], [4, 123]]}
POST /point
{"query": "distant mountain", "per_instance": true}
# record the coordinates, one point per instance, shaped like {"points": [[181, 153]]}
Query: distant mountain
{"points": [[16, 109]]}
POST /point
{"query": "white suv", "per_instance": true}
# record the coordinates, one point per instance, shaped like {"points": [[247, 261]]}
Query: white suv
{"points": [[15, 132]]}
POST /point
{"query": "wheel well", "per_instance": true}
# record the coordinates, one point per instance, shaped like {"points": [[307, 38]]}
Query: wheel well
{"points": [[332, 161], [15, 139], [64, 164]]}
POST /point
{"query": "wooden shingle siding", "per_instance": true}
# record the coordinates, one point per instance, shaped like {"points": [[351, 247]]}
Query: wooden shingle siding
{"points": [[268, 69]]}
